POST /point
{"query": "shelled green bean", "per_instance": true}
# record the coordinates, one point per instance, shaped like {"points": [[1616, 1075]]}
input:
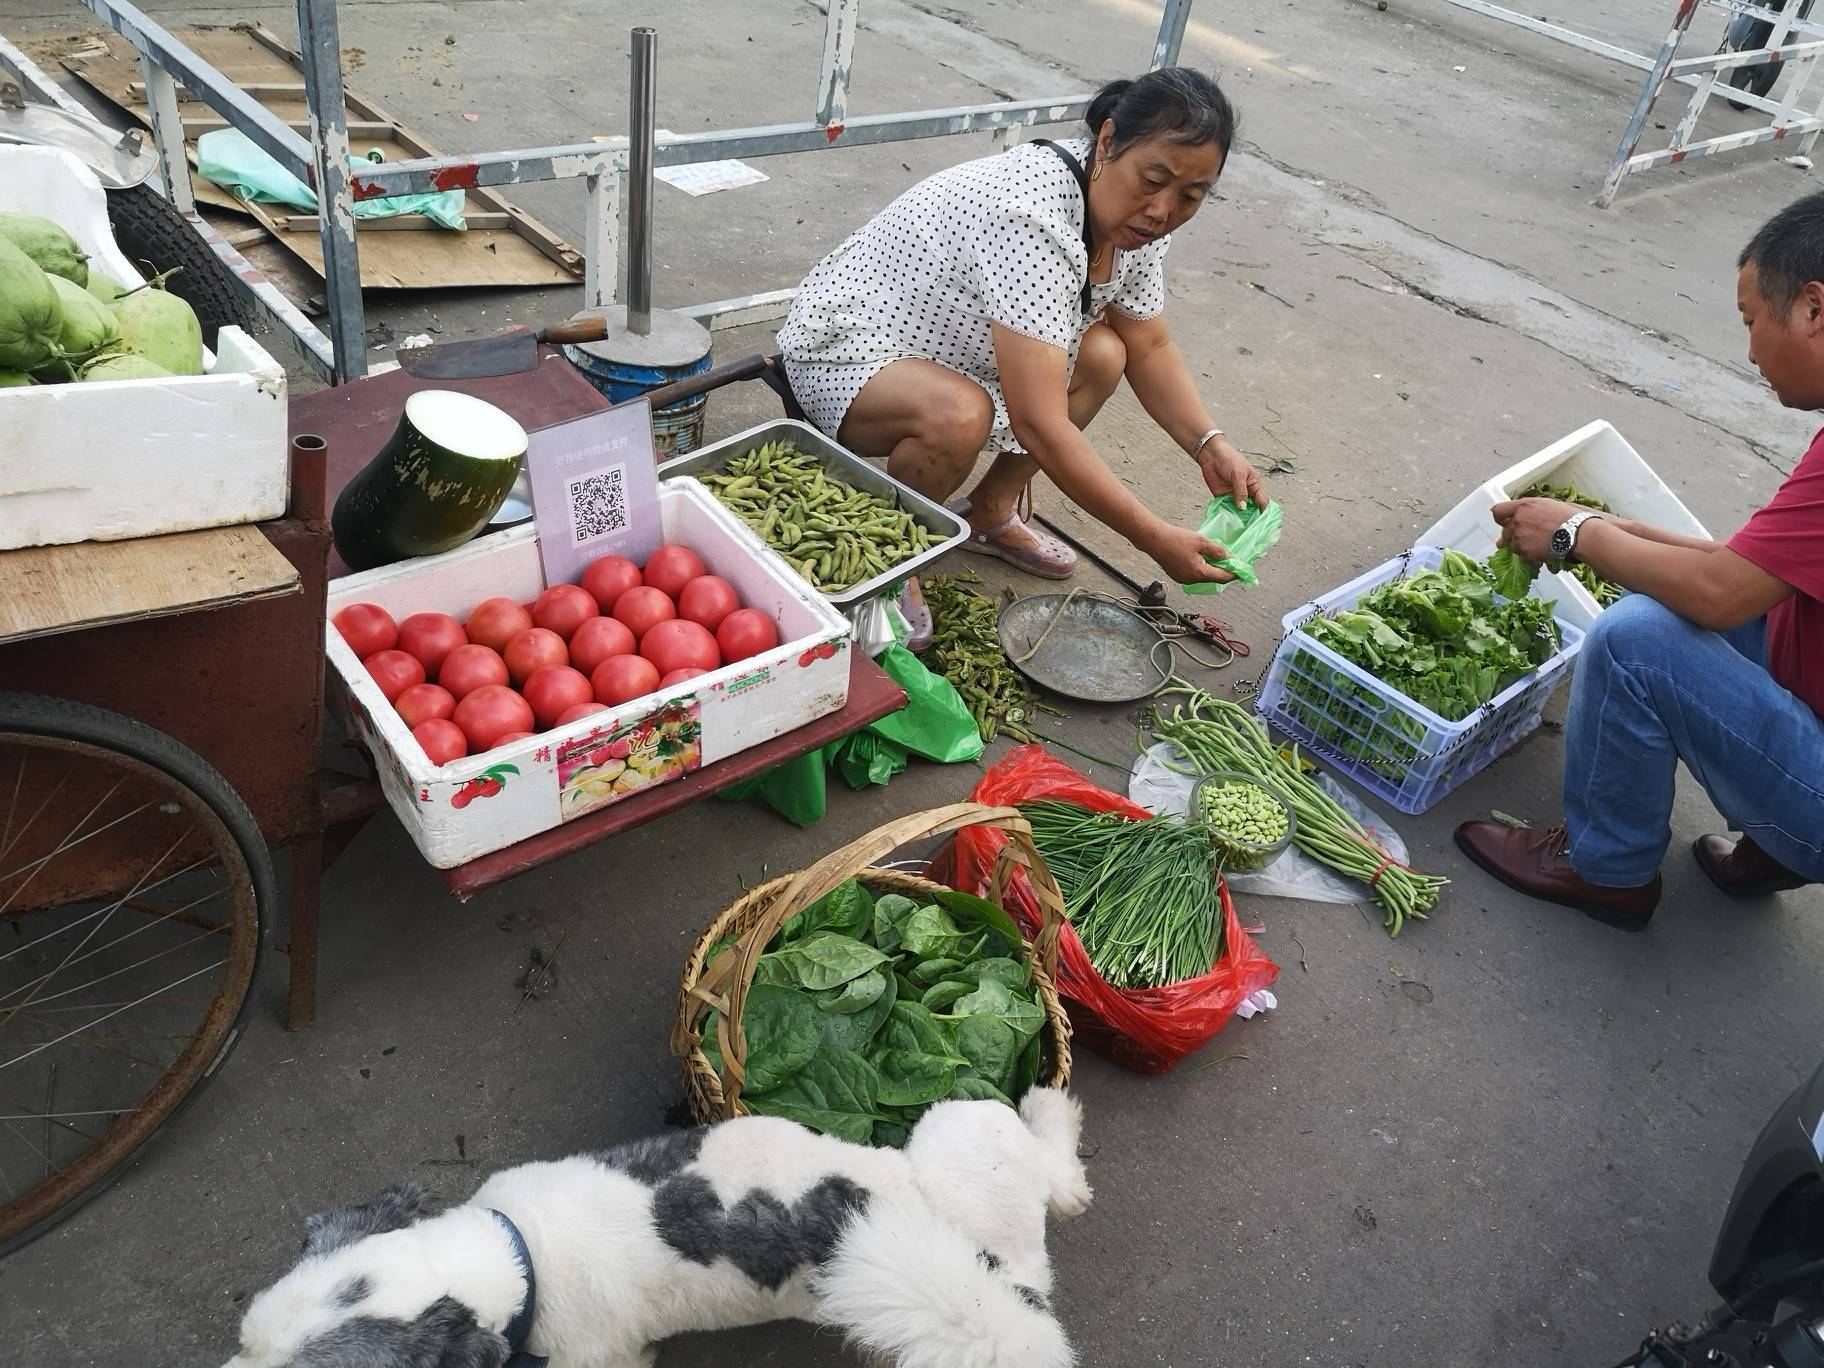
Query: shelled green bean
{"points": [[834, 534], [1142, 896], [1216, 734], [966, 650]]}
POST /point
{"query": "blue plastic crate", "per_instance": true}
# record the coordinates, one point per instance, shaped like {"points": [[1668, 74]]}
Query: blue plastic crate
{"points": [[1376, 735]]}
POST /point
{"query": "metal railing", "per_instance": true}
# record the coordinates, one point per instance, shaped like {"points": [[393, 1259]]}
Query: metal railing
{"points": [[602, 166]]}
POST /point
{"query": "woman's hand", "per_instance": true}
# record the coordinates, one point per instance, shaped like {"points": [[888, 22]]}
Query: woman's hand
{"points": [[1527, 525], [1227, 471], [1185, 555]]}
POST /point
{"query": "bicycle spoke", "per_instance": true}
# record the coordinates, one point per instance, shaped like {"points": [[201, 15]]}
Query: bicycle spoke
{"points": [[39, 1049], [68, 844], [124, 969], [100, 912]]}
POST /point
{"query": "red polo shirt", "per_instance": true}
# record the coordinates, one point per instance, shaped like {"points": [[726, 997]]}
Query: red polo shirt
{"points": [[1786, 539]]}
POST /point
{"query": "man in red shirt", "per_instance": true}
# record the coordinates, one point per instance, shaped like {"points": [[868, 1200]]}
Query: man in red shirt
{"points": [[1716, 658]]}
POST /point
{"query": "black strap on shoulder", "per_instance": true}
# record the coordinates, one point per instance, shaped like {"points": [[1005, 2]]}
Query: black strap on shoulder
{"points": [[1069, 159]]}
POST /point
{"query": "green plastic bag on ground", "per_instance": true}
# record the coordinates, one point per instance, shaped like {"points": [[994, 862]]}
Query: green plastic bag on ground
{"points": [[935, 722], [229, 158], [1246, 533], [796, 790]]}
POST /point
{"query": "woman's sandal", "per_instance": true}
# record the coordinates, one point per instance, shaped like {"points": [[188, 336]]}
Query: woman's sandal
{"points": [[1047, 557]]}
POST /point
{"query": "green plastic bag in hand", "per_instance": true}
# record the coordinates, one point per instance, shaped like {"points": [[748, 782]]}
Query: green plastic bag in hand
{"points": [[1247, 533]]}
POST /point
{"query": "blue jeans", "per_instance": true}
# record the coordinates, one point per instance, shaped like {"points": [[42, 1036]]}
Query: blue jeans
{"points": [[1652, 689]]}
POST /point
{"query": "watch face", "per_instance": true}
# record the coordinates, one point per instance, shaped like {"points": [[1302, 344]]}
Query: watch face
{"points": [[1561, 543]]}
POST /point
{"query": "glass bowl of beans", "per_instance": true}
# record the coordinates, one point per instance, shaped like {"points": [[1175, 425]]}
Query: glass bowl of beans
{"points": [[1250, 825]]}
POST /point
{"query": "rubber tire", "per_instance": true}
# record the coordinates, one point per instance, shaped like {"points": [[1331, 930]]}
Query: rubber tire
{"points": [[148, 228], [37, 714]]}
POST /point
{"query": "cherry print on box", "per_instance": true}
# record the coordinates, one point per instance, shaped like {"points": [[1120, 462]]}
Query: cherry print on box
{"points": [[995, 240]]}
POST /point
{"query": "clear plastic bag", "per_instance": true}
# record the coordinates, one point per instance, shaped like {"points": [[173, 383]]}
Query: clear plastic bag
{"points": [[1246, 532], [1155, 786]]}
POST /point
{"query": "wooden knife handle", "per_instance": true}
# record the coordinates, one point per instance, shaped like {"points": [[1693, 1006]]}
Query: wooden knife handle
{"points": [[588, 328]]}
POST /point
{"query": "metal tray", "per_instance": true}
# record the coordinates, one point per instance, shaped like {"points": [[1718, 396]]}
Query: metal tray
{"points": [[1098, 650], [851, 469]]}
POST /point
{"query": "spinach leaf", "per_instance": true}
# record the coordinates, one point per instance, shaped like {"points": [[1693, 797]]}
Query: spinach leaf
{"points": [[939, 996], [927, 972], [890, 913], [846, 909], [783, 1029], [1014, 975], [908, 990], [1026, 1071], [855, 1030], [825, 959], [911, 1079], [835, 1093], [774, 973], [930, 934], [993, 998], [968, 909], [991, 1048], [854, 995], [891, 1134], [969, 1088], [910, 1027]]}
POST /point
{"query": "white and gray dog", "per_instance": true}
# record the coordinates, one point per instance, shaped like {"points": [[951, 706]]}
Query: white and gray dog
{"points": [[928, 1257]]}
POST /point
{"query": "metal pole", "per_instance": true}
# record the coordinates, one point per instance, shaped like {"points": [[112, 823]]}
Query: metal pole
{"points": [[642, 128], [838, 56], [320, 55], [167, 134]]}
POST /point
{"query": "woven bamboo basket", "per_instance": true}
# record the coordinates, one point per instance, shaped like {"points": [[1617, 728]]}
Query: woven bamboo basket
{"points": [[715, 998]]}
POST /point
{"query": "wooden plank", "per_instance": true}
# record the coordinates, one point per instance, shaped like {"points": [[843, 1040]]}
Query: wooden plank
{"points": [[872, 695], [198, 124], [505, 246], [91, 584]]}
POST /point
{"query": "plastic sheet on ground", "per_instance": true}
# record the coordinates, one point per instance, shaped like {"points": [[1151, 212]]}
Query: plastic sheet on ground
{"points": [[1155, 786]]}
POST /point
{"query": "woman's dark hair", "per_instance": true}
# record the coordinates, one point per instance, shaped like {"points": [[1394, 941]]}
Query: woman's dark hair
{"points": [[1787, 252], [1180, 102]]}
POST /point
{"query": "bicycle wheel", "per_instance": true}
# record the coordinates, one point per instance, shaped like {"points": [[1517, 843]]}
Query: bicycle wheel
{"points": [[152, 233], [132, 886]]}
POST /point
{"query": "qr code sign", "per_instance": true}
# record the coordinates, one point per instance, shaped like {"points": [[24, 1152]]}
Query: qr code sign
{"points": [[598, 504]]}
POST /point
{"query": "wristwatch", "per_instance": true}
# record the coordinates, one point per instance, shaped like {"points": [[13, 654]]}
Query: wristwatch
{"points": [[1564, 540]]}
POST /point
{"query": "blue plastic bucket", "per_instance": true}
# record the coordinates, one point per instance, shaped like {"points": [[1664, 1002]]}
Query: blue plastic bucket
{"points": [[677, 428]]}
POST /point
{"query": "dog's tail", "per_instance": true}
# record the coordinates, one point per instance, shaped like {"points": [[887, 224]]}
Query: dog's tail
{"points": [[906, 1286]]}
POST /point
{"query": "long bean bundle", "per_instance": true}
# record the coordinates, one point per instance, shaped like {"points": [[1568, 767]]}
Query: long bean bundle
{"points": [[1142, 895], [1216, 734]]}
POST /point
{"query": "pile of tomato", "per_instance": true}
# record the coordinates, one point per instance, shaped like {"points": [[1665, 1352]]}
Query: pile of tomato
{"points": [[515, 669]]}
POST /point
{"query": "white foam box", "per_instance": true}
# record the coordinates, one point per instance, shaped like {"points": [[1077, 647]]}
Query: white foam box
{"points": [[483, 803], [1600, 462], [106, 460]]}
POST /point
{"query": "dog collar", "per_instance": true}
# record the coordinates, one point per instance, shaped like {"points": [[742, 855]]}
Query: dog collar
{"points": [[521, 1325]]}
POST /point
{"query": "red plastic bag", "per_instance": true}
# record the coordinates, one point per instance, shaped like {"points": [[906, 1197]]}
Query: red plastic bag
{"points": [[1148, 1029]]}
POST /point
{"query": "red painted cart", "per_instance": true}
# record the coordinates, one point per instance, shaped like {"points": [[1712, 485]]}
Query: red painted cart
{"points": [[161, 730]]}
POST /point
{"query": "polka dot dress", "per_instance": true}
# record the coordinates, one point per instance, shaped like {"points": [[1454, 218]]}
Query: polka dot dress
{"points": [[996, 240]]}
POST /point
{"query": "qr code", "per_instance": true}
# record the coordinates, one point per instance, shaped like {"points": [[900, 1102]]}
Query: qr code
{"points": [[598, 504]]}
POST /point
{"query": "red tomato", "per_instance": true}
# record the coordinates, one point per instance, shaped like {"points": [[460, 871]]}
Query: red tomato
{"points": [[554, 690], [425, 703], [467, 668], [569, 715], [640, 609], [489, 713], [442, 739], [509, 738], [746, 632], [680, 645], [431, 637], [496, 621], [563, 608], [534, 649], [708, 599], [671, 568], [679, 676], [366, 627], [608, 578], [620, 678], [394, 672], [597, 639]]}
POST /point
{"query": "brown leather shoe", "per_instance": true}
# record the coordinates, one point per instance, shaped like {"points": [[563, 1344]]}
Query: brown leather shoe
{"points": [[1742, 869], [1535, 863]]}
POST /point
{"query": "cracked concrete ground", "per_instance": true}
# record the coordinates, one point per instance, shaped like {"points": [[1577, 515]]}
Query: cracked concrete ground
{"points": [[1508, 1134]]}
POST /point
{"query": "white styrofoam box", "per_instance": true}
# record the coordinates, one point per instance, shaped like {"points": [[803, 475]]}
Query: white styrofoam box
{"points": [[471, 807], [105, 460], [1599, 461]]}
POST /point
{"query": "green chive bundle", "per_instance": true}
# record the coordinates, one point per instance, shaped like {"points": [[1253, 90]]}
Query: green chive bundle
{"points": [[1142, 895]]}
